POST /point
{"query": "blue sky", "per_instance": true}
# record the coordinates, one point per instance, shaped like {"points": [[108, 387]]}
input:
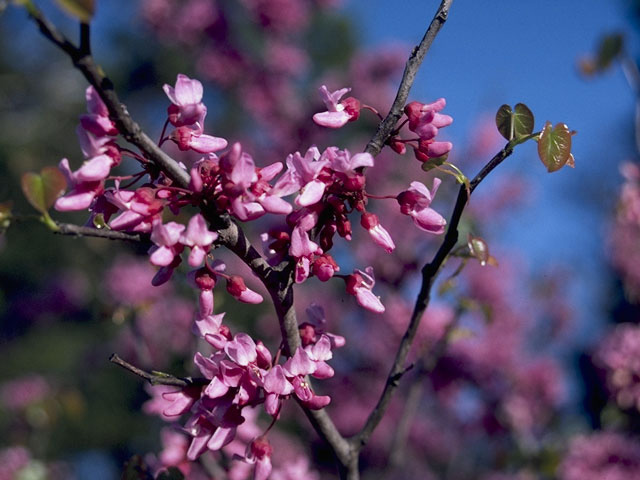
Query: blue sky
{"points": [[506, 51]]}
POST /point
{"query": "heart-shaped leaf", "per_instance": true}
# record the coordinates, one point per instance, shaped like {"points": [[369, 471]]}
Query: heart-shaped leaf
{"points": [[554, 146], [504, 117], [83, 10], [523, 120], [43, 189], [514, 124]]}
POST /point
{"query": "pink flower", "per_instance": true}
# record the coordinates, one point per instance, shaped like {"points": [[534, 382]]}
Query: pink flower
{"points": [[97, 121], [237, 288], [167, 240], [415, 202], [275, 384], [81, 193], [360, 284], [378, 233], [199, 238], [259, 452], [186, 98], [425, 120], [192, 139], [338, 113]]}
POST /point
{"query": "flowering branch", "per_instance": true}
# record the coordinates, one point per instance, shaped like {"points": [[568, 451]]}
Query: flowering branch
{"points": [[408, 77], [279, 281]]}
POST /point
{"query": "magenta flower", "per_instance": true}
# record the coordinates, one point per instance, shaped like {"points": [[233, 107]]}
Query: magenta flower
{"points": [[186, 98], [259, 452], [378, 233], [415, 202], [167, 240], [360, 284], [192, 139], [237, 288], [275, 384], [81, 193], [199, 238], [97, 121], [338, 113]]}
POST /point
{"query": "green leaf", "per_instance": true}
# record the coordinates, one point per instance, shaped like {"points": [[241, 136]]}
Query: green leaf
{"points": [[610, 47], [434, 162], [554, 146], [42, 190], [504, 117], [514, 124], [83, 10], [523, 120]]}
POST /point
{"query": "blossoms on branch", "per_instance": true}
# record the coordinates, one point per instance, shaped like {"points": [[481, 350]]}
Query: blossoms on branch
{"points": [[425, 120], [360, 284]]}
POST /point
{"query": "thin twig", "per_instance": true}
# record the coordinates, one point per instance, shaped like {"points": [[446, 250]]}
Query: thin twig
{"points": [[429, 273], [159, 378], [408, 77], [81, 231]]}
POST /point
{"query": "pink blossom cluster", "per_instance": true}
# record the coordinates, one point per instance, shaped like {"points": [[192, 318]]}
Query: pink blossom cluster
{"points": [[329, 186], [602, 455], [619, 355]]}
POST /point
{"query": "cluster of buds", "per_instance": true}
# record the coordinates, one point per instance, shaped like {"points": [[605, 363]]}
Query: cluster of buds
{"points": [[329, 186]]}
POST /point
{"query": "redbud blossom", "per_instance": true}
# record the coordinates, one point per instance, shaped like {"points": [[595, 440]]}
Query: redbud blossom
{"points": [[199, 238], [360, 284], [378, 233], [415, 202], [186, 97], [97, 121], [338, 113], [259, 452], [237, 288]]}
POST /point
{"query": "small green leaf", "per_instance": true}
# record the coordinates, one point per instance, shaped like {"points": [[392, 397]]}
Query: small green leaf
{"points": [[610, 47], [514, 124], [522, 120], [42, 190], [554, 146], [504, 118], [83, 10], [434, 162]]}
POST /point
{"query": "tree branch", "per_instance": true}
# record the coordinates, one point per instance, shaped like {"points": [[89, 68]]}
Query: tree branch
{"points": [[81, 231], [408, 77], [429, 274], [159, 378], [129, 129]]}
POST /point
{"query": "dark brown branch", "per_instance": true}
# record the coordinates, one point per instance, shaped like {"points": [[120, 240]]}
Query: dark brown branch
{"points": [[408, 77], [158, 378], [129, 129], [429, 274], [80, 231]]}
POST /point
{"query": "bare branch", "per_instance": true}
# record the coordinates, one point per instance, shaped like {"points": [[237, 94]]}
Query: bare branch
{"points": [[81, 231], [429, 274], [408, 77], [158, 378]]}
